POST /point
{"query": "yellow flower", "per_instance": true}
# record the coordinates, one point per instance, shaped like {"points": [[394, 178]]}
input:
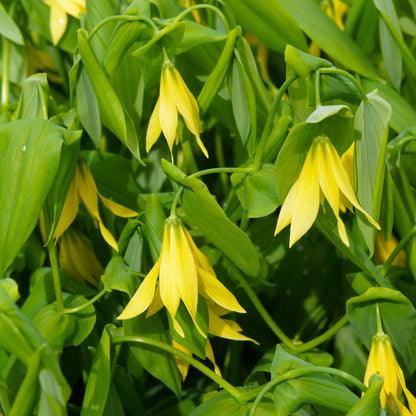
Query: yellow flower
{"points": [[83, 188], [384, 248], [58, 18], [77, 257], [184, 272], [174, 98], [322, 176], [383, 361]]}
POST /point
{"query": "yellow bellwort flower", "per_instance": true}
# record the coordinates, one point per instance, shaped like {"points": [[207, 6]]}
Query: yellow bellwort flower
{"points": [[183, 272], [77, 257], [384, 248], [322, 176], [58, 19], [174, 98], [83, 188], [382, 360]]}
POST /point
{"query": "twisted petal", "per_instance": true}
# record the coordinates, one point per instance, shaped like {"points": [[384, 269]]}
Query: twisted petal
{"points": [[144, 295], [117, 209], [168, 113], [183, 366], [153, 129]]}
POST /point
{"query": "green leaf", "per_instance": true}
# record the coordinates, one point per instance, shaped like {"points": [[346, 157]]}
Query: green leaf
{"points": [[29, 151], [330, 38], [303, 63], [153, 230], [372, 120], [321, 389], [8, 27], [257, 193], [270, 22], [398, 317], [369, 404], [158, 363], [204, 212], [52, 401], [65, 329], [11, 288], [34, 98], [117, 276], [112, 113], [99, 377]]}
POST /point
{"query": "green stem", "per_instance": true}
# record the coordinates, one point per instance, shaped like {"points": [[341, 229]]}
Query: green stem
{"points": [[125, 18], [322, 338], [53, 259], [397, 249], [220, 170], [300, 372], [317, 88], [175, 202], [204, 6], [379, 324], [5, 87], [261, 309], [269, 122], [348, 76], [192, 361], [84, 305]]}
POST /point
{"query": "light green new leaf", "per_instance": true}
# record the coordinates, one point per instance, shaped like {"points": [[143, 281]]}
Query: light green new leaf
{"points": [[29, 159], [117, 276], [398, 317], [112, 113], [372, 120], [270, 22], [205, 213], [8, 27], [34, 98], [328, 35]]}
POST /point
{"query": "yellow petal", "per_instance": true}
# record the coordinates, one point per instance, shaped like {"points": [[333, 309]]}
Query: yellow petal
{"points": [[87, 190], [343, 181], [167, 277], [183, 366], [108, 237], [306, 199], [168, 113], [224, 329], [285, 215], [210, 355], [117, 209], [153, 129], [156, 304], [69, 210], [143, 297], [57, 21], [72, 7]]}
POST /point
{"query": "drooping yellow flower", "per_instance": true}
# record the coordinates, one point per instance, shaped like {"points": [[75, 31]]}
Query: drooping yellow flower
{"points": [[77, 257], [83, 188], [383, 361], [58, 18], [174, 98], [322, 176], [183, 272]]}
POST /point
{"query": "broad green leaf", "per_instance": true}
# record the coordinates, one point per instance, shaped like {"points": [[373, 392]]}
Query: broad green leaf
{"points": [[321, 389], [257, 193], [158, 363], [369, 404], [302, 63], [8, 27], [117, 276], [403, 115], [398, 317], [112, 113], [34, 98], [372, 120], [99, 377], [52, 401], [154, 223], [65, 329], [330, 38], [29, 159], [87, 105], [333, 121], [205, 213], [270, 22], [215, 80], [133, 255]]}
